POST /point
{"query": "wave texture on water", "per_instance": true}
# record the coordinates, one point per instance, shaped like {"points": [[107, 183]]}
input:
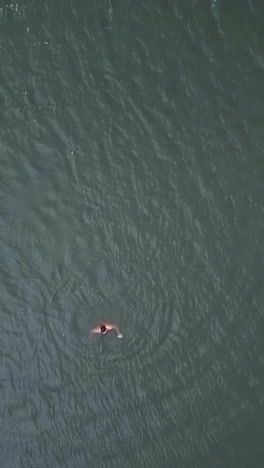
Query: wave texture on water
{"points": [[131, 192]]}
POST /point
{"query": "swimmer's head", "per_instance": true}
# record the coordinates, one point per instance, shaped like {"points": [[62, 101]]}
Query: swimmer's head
{"points": [[103, 328]]}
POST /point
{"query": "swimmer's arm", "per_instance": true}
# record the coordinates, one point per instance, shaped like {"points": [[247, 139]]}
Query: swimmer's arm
{"points": [[96, 330], [114, 327]]}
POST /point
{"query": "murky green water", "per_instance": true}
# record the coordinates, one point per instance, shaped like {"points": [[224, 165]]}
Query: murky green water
{"points": [[131, 191]]}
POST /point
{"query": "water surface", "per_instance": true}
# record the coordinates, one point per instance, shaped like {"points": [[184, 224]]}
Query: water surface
{"points": [[131, 191]]}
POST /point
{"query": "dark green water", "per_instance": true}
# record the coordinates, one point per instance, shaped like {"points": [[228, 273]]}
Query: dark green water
{"points": [[131, 191]]}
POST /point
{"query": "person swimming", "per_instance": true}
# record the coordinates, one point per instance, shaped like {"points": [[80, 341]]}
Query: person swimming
{"points": [[103, 328]]}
